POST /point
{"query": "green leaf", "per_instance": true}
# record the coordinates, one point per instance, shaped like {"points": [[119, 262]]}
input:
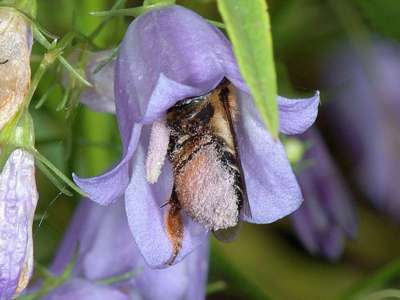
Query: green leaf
{"points": [[151, 2], [133, 11], [383, 295], [248, 26], [383, 15]]}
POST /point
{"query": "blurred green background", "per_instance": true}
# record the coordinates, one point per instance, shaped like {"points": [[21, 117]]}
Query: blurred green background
{"points": [[266, 261]]}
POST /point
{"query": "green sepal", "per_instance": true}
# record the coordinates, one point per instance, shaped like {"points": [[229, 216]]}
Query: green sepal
{"points": [[18, 133]]}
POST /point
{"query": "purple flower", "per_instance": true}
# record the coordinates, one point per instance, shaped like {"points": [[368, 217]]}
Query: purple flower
{"points": [[365, 115], [18, 198], [168, 55], [326, 216], [100, 97], [107, 249]]}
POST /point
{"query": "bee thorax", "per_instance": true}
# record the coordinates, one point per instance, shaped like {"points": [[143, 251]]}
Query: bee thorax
{"points": [[205, 189]]}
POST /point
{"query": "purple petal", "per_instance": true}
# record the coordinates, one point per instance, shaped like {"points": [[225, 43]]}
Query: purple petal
{"points": [[326, 215], [186, 280], [328, 184], [297, 115], [86, 290], [333, 243], [166, 93], [365, 105], [108, 187], [94, 227], [189, 60], [272, 188], [304, 229], [103, 253], [18, 199], [100, 97], [71, 238], [146, 217]]}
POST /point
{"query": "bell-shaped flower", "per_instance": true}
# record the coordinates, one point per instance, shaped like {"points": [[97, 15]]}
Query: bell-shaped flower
{"points": [[326, 216], [106, 249], [168, 55], [364, 116], [18, 199]]}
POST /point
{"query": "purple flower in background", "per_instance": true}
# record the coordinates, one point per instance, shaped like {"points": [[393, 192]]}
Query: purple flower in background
{"points": [[168, 55], [364, 114], [18, 198], [107, 249], [326, 216], [100, 97]]}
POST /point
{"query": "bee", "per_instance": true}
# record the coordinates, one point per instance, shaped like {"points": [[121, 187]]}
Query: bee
{"points": [[209, 183]]}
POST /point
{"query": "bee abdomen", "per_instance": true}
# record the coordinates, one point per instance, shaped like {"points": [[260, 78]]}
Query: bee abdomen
{"points": [[205, 189]]}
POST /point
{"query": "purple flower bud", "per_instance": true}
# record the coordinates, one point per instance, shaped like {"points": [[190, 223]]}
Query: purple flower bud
{"points": [[326, 216], [107, 249], [100, 97], [364, 115], [15, 71], [168, 55], [18, 198]]}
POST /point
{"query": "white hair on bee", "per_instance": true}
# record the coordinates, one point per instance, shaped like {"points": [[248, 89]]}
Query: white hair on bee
{"points": [[206, 191], [15, 72], [157, 150]]}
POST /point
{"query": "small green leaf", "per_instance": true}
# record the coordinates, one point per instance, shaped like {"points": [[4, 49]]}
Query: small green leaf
{"points": [[151, 2], [248, 26], [133, 11], [216, 287]]}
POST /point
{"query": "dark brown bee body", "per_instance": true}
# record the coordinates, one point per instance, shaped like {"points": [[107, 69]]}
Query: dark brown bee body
{"points": [[202, 146]]}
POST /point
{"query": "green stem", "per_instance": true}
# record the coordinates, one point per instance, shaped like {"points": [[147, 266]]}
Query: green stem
{"points": [[57, 172], [94, 34], [216, 287], [133, 11], [386, 274], [119, 278]]}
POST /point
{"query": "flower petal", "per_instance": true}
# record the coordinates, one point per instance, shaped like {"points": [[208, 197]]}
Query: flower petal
{"points": [[86, 290], [106, 188], [174, 56], [333, 243], [100, 97], [166, 93], [327, 185], [272, 188], [297, 115], [186, 280], [147, 219], [18, 199], [103, 254]]}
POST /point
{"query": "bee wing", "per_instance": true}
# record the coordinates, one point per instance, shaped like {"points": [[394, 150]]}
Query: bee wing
{"points": [[245, 210], [227, 235]]}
